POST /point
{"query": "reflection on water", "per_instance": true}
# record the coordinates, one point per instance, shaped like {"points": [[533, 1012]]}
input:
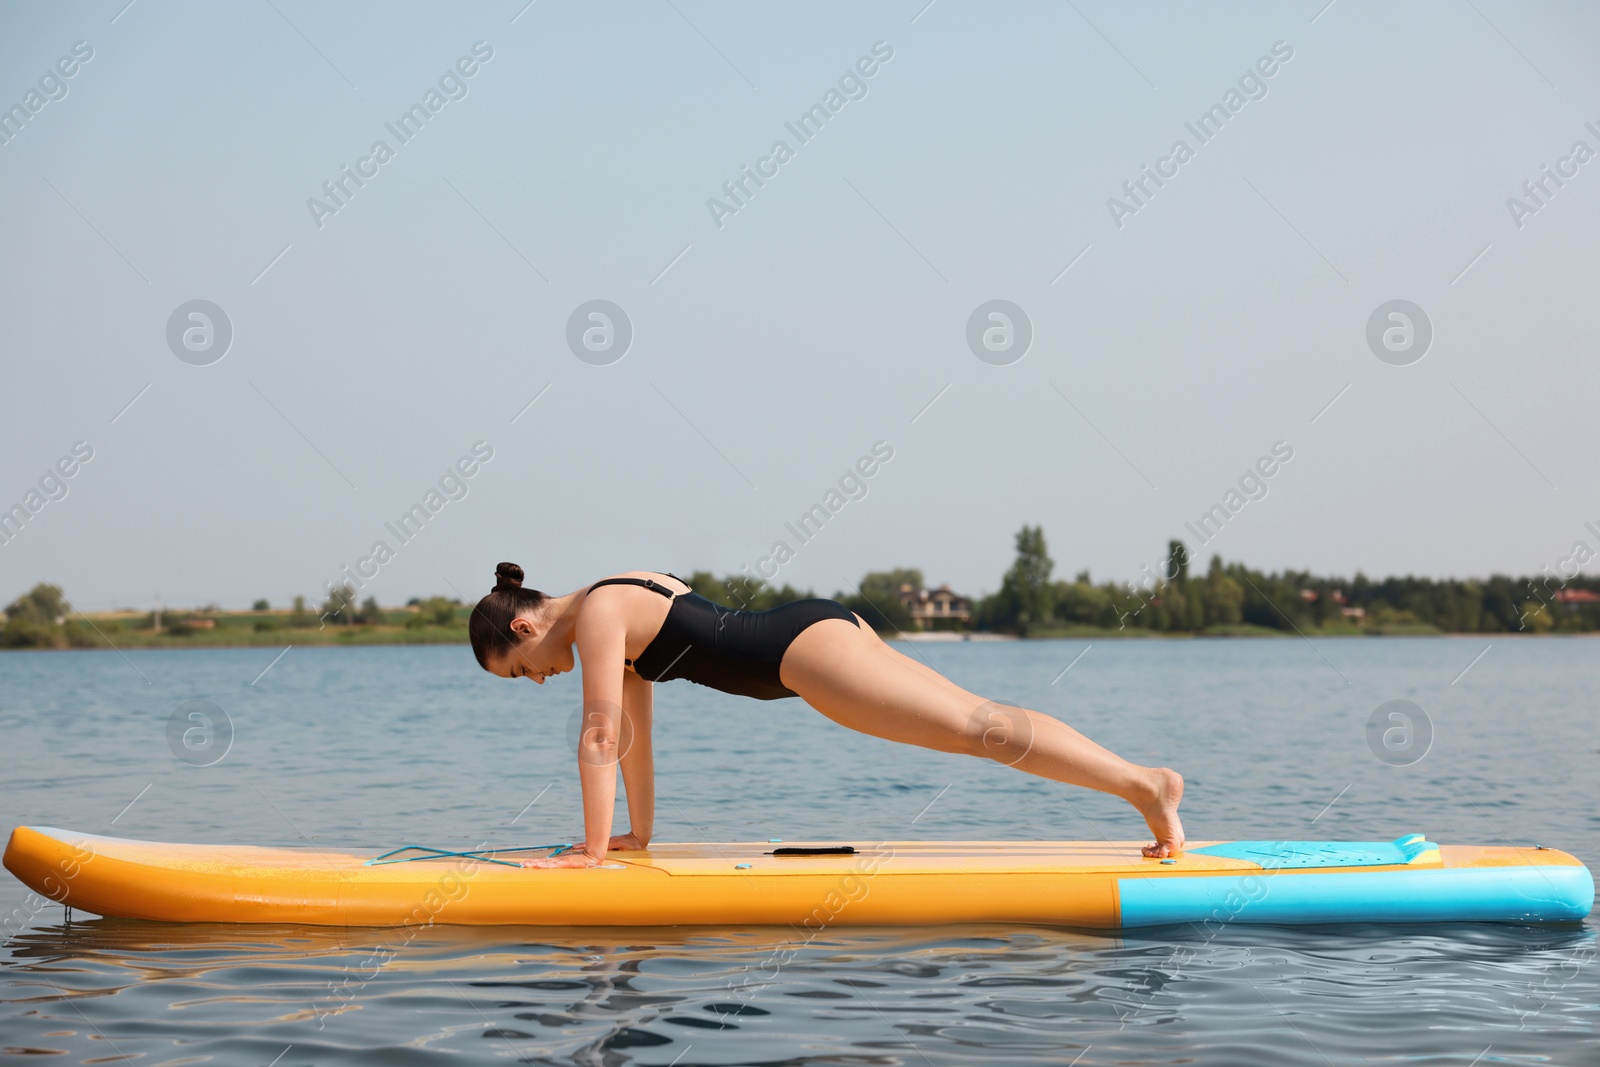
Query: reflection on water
{"points": [[995, 994], [417, 747]]}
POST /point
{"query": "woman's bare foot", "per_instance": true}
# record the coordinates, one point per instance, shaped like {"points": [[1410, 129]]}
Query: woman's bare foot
{"points": [[1160, 811]]}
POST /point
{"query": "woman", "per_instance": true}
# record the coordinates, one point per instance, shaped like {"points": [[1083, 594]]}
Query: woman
{"points": [[643, 627]]}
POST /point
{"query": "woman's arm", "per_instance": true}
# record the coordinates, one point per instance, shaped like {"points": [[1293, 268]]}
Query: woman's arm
{"points": [[600, 642], [638, 762]]}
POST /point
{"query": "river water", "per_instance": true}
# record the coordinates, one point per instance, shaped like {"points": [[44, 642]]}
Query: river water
{"points": [[378, 747]]}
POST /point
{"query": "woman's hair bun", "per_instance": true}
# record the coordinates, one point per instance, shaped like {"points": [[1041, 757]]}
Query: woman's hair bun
{"points": [[507, 576]]}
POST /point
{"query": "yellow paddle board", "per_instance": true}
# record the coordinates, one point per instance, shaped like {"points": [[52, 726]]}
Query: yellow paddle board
{"points": [[811, 884]]}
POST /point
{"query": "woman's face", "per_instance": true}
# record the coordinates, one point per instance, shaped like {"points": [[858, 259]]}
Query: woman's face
{"points": [[536, 656]]}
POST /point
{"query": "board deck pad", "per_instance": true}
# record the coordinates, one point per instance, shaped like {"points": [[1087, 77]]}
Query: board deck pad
{"points": [[1277, 855], [1087, 884]]}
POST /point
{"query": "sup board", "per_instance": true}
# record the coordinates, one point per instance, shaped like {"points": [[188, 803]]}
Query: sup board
{"points": [[1107, 885]]}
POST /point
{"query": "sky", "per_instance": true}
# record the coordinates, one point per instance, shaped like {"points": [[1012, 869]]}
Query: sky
{"points": [[760, 349]]}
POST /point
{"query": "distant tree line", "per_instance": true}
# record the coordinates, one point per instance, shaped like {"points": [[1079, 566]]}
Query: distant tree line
{"points": [[339, 608], [40, 618], [1173, 598], [1226, 598], [43, 618], [1233, 596]]}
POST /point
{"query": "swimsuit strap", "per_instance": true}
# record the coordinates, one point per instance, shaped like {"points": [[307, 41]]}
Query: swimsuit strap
{"points": [[653, 586]]}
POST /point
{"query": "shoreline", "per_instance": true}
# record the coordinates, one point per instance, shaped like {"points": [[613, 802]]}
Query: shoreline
{"points": [[311, 639]]}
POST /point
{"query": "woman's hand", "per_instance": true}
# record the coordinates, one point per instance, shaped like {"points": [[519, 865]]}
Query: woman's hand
{"points": [[575, 858], [628, 842]]}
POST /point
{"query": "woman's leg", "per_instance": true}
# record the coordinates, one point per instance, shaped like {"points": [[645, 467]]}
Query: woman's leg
{"points": [[850, 675]]}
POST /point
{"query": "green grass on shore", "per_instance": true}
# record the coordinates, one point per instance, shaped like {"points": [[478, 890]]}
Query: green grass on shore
{"points": [[274, 630], [263, 629], [1243, 630], [406, 626], [277, 638]]}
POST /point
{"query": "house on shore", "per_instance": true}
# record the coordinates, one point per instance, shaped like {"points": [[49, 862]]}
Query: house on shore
{"points": [[1576, 598], [936, 609]]}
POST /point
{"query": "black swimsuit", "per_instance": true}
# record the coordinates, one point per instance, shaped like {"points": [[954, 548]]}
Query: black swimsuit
{"points": [[734, 651]]}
